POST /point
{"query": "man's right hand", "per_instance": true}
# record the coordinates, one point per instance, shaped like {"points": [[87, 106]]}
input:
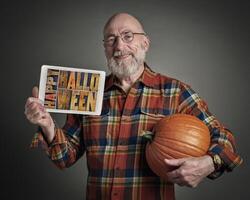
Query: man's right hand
{"points": [[36, 114]]}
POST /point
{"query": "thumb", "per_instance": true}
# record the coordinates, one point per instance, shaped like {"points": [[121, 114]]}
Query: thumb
{"points": [[174, 162], [35, 92]]}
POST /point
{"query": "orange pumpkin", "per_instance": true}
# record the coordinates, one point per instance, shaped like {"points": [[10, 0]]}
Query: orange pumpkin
{"points": [[176, 136]]}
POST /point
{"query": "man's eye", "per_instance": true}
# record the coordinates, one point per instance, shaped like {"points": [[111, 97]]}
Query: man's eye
{"points": [[111, 39], [127, 37]]}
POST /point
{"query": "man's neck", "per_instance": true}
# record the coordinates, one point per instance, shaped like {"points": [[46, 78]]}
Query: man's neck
{"points": [[127, 82]]}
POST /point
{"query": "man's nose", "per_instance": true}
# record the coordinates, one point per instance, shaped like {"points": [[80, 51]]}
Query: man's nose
{"points": [[118, 45]]}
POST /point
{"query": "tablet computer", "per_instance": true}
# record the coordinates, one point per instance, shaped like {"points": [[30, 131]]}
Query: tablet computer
{"points": [[71, 90]]}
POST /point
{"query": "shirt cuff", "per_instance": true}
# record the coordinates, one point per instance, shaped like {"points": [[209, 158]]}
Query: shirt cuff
{"points": [[39, 140], [230, 160]]}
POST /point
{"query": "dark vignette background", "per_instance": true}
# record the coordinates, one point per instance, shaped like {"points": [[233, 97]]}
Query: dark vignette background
{"points": [[203, 43]]}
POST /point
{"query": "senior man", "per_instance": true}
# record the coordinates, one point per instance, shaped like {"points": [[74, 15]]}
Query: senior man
{"points": [[135, 98]]}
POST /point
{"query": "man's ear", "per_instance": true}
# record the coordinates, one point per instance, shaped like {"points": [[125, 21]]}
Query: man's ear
{"points": [[146, 43]]}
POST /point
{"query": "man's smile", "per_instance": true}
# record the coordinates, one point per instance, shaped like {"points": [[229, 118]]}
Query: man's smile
{"points": [[121, 57]]}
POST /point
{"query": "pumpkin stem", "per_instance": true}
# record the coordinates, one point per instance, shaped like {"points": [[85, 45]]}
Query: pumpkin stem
{"points": [[148, 135]]}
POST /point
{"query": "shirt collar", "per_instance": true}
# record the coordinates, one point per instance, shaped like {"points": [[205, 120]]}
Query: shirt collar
{"points": [[148, 78]]}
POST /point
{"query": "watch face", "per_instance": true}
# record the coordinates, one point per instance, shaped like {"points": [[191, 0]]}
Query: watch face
{"points": [[217, 161]]}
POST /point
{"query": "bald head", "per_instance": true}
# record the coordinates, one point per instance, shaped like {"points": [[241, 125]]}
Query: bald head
{"points": [[122, 20], [125, 44]]}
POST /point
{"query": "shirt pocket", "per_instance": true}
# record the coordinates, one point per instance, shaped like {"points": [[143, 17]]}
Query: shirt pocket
{"points": [[149, 118], [153, 113]]}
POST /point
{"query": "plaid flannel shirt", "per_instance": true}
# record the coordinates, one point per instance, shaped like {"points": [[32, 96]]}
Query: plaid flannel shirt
{"points": [[115, 149]]}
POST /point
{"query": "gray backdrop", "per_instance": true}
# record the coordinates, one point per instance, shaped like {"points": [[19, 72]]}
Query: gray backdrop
{"points": [[203, 43]]}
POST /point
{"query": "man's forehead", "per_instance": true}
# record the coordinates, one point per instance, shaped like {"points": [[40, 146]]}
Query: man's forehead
{"points": [[122, 23]]}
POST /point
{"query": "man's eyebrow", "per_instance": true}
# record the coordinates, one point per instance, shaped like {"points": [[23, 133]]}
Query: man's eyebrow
{"points": [[126, 31], [109, 35], [112, 34]]}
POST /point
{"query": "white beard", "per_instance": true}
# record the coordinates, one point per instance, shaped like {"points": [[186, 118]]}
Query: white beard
{"points": [[126, 68]]}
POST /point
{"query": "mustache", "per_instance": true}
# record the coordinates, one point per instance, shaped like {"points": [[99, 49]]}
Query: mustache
{"points": [[121, 53]]}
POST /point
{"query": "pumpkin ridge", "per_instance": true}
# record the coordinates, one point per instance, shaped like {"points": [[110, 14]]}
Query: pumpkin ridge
{"points": [[173, 150], [158, 163], [193, 146]]}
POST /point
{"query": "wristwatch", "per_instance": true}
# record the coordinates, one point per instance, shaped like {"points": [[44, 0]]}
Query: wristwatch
{"points": [[218, 166], [217, 161]]}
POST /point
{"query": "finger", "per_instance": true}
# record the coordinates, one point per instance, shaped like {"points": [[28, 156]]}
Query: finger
{"points": [[45, 120], [180, 182], [174, 179], [33, 108], [35, 114], [35, 92], [36, 118], [174, 162], [173, 174], [34, 97], [177, 179], [38, 115], [31, 100], [30, 109]]}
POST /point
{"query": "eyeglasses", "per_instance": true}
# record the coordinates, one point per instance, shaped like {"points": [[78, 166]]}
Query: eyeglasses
{"points": [[126, 37]]}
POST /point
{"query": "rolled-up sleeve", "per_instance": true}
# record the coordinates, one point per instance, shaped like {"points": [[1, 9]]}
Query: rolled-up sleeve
{"points": [[67, 146], [222, 139]]}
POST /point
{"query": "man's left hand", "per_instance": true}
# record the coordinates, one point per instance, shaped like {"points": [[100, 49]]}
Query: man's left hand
{"points": [[189, 171]]}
